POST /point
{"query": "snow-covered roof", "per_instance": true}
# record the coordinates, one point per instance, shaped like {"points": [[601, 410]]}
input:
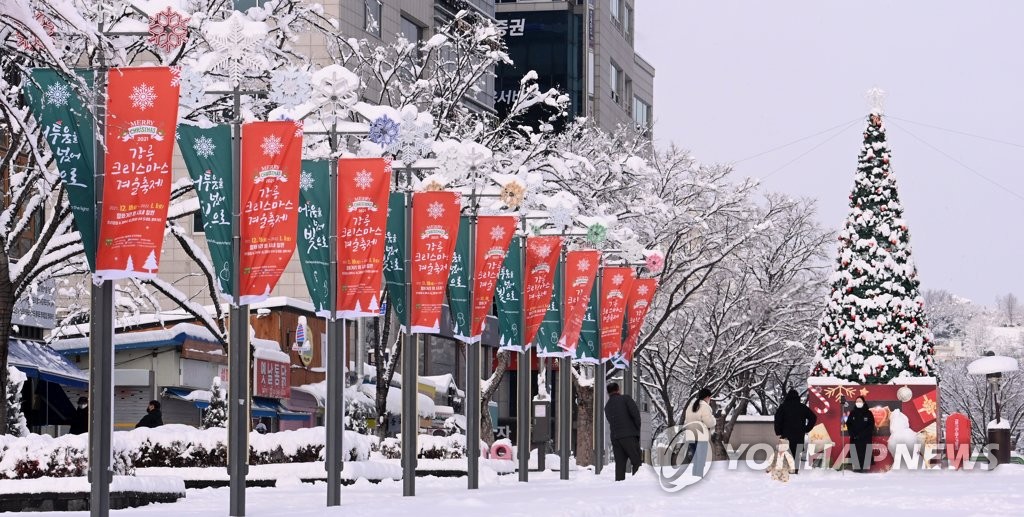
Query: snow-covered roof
{"points": [[175, 335], [442, 383], [39, 359], [269, 350], [992, 364]]}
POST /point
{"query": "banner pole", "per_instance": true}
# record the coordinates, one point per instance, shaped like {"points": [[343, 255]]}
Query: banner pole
{"points": [[101, 323], [599, 388], [564, 387], [627, 381], [410, 356], [523, 372], [335, 424], [238, 343], [472, 363]]}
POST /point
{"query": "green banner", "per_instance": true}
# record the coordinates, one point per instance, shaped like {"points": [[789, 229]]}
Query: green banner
{"points": [[207, 155], [67, 127], [588, 350], [394, 256], [313, 244], [508, 295], [551, 328], [460, 303]]}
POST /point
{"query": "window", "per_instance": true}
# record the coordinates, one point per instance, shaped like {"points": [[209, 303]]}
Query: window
{"points": [[371, 16], [627, 23], [641, 113], [615, 8], [197, 222], [590, 72], [615, 77], [627, 93], [411, 30], [245, 5]]}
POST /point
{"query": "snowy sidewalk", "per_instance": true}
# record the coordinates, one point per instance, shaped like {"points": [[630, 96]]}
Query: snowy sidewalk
{"points": [[810, 493]]}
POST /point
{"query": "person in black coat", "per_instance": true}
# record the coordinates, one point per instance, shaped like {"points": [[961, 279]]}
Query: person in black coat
{"points": [[153, 417], [793, 420], [860, 426], [624, 426], [80, 420]]}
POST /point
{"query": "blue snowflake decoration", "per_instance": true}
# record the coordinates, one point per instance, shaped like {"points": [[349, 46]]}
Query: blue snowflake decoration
{"points": [[384, 131]]}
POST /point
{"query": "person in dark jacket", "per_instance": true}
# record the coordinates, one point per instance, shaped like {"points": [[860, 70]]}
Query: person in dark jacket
{"points": [[860, 426], [153, 417], [793, 420], [80, 420], [624, 426]]}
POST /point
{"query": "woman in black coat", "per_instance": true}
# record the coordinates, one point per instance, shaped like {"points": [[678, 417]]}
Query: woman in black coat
{"points": [[793, 420], [860, 425]]}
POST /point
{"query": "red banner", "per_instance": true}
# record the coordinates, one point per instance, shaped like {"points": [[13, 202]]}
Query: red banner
{"points": [[958, 439], [363, 188], [615, 286], [542, 255], [142, 111], [493, 235], [580, 271], [639, 302], [435, 226], [272, 379], [271, 166]]}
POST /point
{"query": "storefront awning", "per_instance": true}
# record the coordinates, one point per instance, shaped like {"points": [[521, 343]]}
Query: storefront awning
{"points": [[261, 407], [40, 361]]}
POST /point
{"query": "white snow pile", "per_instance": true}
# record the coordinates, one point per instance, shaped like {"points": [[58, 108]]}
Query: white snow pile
{"points": [[140, 484], [992, 364], [1002, 423]]}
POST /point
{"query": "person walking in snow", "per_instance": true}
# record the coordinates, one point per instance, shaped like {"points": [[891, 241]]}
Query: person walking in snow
{"points": [[80, 420], [699, 419], [793, 420], [860, 426], [153, 417], [624, 426]]}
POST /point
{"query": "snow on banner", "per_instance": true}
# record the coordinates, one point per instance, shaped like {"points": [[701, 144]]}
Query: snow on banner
{"points": [[142, 110], [68, 130], [314, 251], [636, 310], [509, 300], [588, 349], [615, 286], [271, 170], [435, 226], [493, 235], [207, 155], [363, 185], [395, 254], [580, 272], [459, 305], [542, 255], [550, 329]]}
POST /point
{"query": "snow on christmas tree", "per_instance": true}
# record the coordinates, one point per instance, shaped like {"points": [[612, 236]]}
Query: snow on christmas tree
{"points": [[14, 420], [151, 264], [874, 327], [217, 414]]}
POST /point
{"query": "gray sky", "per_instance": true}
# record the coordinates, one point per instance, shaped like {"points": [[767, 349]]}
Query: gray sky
{"points": [[737, 78]]}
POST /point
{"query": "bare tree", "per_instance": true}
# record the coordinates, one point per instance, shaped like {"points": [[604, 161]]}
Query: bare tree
{"points": [[972, 396], [1009, 309]]}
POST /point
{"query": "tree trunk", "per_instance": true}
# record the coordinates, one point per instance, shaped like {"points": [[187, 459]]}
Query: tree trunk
{"points": [[6, 313], [492, 383], [584, 424], [385, 372]]}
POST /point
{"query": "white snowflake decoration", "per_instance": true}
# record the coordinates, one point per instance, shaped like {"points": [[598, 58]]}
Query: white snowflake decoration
{"points": [[642, 290], [497, 233], [335, 89], [289, 88], [191, 88], [435, 210], [560, 217], [415, 139], [306, 181], [271, 146], [543, 250], [583, 265], [168, 30], [364, 179], [237, 47], [617, 280], [143, 96], [204, 146], [57, 94]]}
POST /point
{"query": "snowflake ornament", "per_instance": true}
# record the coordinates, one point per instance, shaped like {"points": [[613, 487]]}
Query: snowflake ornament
{"points": [[143, 96], [237, 47], [415, 138], [168, 30], [35, 43], [384, 131], [655, 262], [435, 210], [271, 146], [289, 88], [560, 217], [497, 233], [597, 233], [191, 88], [364, 179], [513, 194], [203, 146], [305, 181], [335, 89], [57, 94]]}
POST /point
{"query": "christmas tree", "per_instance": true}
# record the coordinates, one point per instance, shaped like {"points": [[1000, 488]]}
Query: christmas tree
{"points": [[217, 414], [14, 420], [874, 326]]}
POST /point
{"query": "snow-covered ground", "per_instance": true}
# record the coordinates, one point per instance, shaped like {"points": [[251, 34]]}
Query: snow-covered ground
{"points": [[722, 493]]}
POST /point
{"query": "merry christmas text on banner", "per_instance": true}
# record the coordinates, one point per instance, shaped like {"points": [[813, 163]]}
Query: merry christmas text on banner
{"points": [[551, 327], [588, 348], [615, 287], [542, 254], [435, 227], [580, 272], [459, 304], [363, 190], [271, 170], [395, 255], [637, 305], [493, 235], [68, 130], [314, 250], [142, 111], [508, 298], [207, 155]]}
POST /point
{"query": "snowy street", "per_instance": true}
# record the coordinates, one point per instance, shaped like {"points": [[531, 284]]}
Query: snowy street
{"points": [[810, 493]]}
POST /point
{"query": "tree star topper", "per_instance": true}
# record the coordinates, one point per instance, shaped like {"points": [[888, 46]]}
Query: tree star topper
{"points": [[876, 99]]}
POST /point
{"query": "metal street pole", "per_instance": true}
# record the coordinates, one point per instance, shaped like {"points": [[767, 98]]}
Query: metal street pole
{"points": [[564, 414], [627, 381], [238, 345], [101, 332], [523, 371], [335, 410], [599, 378], [472, 364], [410, 358]]}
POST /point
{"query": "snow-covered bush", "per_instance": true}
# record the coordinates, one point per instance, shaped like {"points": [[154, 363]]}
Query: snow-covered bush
{"points": [[216, 414], [428, 447]]}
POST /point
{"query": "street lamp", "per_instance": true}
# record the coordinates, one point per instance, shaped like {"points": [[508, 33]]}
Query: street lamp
{"points": [[993, 366]]}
